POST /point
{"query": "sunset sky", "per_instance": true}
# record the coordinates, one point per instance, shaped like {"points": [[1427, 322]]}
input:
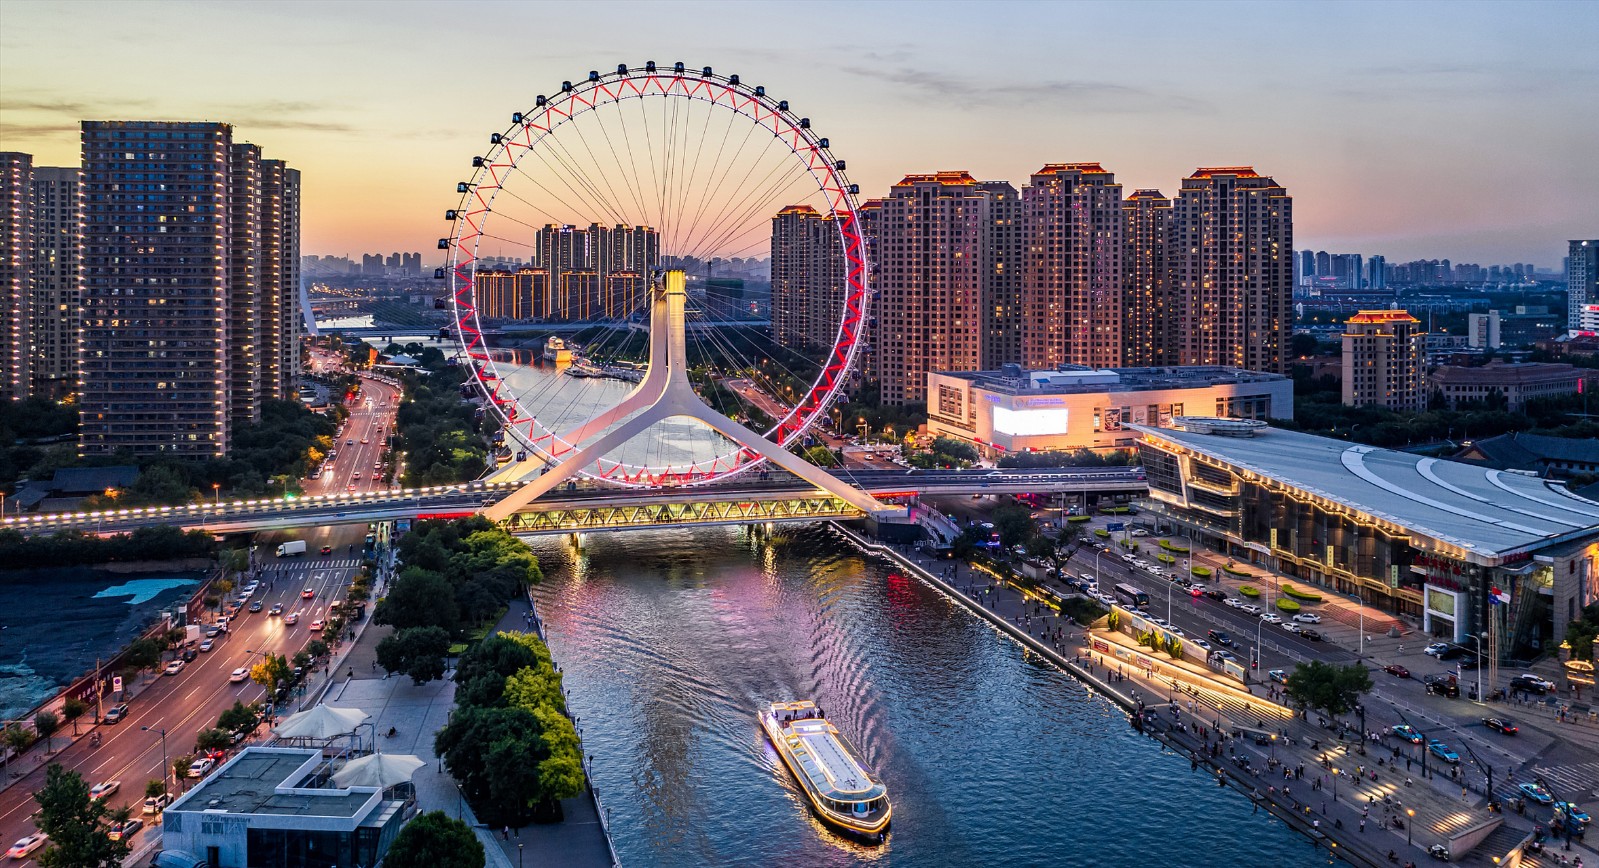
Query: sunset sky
{"points": [[1459, 130]]}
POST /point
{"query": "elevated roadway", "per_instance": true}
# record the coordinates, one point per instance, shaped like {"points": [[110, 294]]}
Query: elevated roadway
{"points": [[578, 501]]}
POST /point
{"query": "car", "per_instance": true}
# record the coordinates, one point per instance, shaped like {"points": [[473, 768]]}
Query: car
{"points": [[1202, 645], [1529, 684], [255, 606], [1308, 618], [1573, 813], [1216, 594], [1234, 602], [307, 594], [1436, 648], [349, 442], [173, 668], [316, 626], [157, 804], [104, 789], [1138, 531], [126, 829], [1220, 637], [327, 550], [352, 486], [1278, 675], [239, 675], [1251, 608], [1176, 631], [1530, 678], [277, 609], [1501, 724], [1443, 752], [211, 631], [1407, 732], [201, 766], [115, 713], [1442, 685], [1196, 592], [1536, 793], [363, 441], [1453, 652], [1271, 618], [26, 845], [188, 655], [1291, 627], [291, 618], [1157, 620], [356, 477], [207, 644], [1307, 633], [1396, 670]]}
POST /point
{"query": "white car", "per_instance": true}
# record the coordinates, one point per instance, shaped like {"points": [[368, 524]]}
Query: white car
{"points": [[1436, 648], [1202, 645], [174, 667], [1107, 599], [1291, 627], [1272, 618], [1234, 602], [1308, 618], [199, 767], [1539, 680], [24, 846], [239, 675], [1177, 631], [1251, 608], [104, 789], [207, 644]]}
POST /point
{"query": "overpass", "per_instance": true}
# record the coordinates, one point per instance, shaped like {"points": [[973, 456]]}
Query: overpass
{"points": [[586, 507]]}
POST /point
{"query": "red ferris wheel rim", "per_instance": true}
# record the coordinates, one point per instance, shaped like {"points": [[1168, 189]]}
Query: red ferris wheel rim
{"points": [[528, 129]]}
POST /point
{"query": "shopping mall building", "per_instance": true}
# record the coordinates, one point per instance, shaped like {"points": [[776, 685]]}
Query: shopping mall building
{"points": [[1425, 537]]}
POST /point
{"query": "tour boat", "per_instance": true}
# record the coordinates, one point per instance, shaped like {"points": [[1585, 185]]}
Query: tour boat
{"points": [[842, 790], [555, 350]]}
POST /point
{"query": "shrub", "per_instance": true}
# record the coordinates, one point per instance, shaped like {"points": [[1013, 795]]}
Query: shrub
{"points": [[1297, 594], [1236, 571], [1287, 605], [1079, 519], [1173, 547], [1165, 558], [1202, 572], [1249, 590], [1115, 510], [1101, 532]]}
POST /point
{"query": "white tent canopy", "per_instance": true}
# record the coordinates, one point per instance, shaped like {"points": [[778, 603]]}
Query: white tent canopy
{"points": [[321, 722], [381, 770]]}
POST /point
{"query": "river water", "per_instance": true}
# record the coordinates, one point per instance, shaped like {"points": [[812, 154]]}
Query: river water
{"points": [[671, 640]]}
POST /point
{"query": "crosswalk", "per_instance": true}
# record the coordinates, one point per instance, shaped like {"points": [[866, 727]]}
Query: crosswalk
{"points": [[1578, 782], [319, 564]]}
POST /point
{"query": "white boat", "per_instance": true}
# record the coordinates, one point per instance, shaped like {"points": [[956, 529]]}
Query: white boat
{"points": [[556, 350], [841, 789]]}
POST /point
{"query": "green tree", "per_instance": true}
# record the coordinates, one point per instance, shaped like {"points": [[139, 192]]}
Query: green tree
{"points": [[45, 723], [19, 738], [272, 671], [1014, 523], [154, 787], [76, 824], [72, 709], [1328, 687], [435, 840], [317, 648], [494, 753], [419, 598], [144, 654], [301, 660], [207, 740], [821, 456], [181, 766], [415, 651], [239, 718]]}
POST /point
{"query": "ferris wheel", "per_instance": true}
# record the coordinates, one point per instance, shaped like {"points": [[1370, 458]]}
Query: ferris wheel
{"points": [[576, 208]]}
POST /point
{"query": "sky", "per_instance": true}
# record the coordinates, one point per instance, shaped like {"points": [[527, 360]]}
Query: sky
{"points": [[1440, 130]]}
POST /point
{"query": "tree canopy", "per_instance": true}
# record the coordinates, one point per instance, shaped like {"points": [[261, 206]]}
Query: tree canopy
{"points": [[435, 840], [415, 651], [76, 824], [1328, 687]]}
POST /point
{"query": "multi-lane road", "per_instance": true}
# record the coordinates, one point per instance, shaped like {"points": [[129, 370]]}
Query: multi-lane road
{"points": [[360, 449]]}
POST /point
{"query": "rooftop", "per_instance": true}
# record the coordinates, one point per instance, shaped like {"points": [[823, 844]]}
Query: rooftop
{"points": [[275, 781], [1070, 379], [1488, 512], [1504, 372]]}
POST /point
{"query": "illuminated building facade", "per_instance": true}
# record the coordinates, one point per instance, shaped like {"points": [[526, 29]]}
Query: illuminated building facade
{"points": [[52, 336], [598, 272], [1151, 329], [1421, 536], [183, 291], [1232, 241], [1072, 229], [16, 274], [1385, 361], [934, 279], [807, 278], [1072, 407], [1582, 285]]}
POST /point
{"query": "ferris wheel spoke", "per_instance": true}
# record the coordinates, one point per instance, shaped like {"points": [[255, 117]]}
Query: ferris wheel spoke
{"points": [[593, 205], [604, 176], [696, 247], [716, 183], [571, 163], [770, 196]]}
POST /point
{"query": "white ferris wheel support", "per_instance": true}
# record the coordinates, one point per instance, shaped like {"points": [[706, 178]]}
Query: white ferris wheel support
{"points": [[665, 393]]}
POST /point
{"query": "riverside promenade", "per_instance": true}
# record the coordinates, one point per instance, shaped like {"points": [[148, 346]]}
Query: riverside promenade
{"points": [[1305, 776]]}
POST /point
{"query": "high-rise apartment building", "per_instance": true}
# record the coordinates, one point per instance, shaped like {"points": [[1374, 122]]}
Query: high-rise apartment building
{"points": [[1582, 284], [1232, 239], [807, 278], [1150, 326], [283, 325], [935, 278], [1307, 265], [1072, 267], [16, 274], [598, 272], [1385, 361], [57, 280], [185, 240]]}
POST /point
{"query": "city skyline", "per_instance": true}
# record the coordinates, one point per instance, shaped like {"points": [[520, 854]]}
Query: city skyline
{"points": [[1375, 167]]}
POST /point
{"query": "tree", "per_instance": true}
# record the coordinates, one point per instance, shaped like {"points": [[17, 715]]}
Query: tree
{"points": [[1014, 523], [18, 737], [1328, 687], [495, 753], [76, 824], [72, 709], [301, 660], [821, 456], [317, 648], [144, 654], [272, 671], [1058, 550], [46, 723], [435, 840], [154, 787], [181, 766], [415, 651], [208, 740], [419, 598], [239, 718]]}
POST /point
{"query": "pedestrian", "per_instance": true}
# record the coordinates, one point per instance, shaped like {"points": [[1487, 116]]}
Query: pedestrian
{"points": [[1362, 826], [505, 834]]}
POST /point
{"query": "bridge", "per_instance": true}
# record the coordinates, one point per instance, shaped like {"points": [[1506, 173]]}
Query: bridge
{"points": [[589, 507]]}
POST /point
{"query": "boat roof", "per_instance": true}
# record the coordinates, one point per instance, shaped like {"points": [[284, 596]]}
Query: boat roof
{"points": [[831, 767]]}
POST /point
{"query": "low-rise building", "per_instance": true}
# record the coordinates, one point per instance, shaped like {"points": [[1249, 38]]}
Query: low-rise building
{"points": [[1517, 382], [277, 806], [1468, 550], [1559, 457], [1074, 407]]}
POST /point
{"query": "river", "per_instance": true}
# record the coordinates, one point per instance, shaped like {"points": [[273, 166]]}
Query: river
{"points": [[671, 640]]}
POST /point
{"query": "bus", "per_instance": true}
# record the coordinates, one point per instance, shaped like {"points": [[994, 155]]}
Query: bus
{"points": [[1132, 596]]}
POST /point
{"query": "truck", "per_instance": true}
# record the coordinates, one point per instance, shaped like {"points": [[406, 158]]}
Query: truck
{"points": [[292, 547], [191, 634]]}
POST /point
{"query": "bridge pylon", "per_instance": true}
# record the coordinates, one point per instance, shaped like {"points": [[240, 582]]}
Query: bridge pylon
{"points": [[665, 393]]}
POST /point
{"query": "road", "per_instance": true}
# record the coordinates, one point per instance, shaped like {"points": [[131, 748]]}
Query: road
{"points": [[360, 444]]}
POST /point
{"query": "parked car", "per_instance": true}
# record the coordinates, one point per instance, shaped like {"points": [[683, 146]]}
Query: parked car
{"points": [[1500, 724], [174, 667], [104, 789], [1233, 602], [1536, 793], [1530, 684], [157, 804], [1396, 670], [1308, 618], [127, 829], [189, 655], [115, 713], [1216, 594], [1202, 645], [26, 845], [1271, 618], [1407, 732], [201, 766], [1530, 678], [1251, 608], [1443, 752]]}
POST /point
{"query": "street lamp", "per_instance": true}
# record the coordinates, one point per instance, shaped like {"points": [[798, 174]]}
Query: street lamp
{"points": [[1409, 824], [1335, 782], [216, 489], [519, 849], [1362, 610], [164, 765], [1478, 637]]}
